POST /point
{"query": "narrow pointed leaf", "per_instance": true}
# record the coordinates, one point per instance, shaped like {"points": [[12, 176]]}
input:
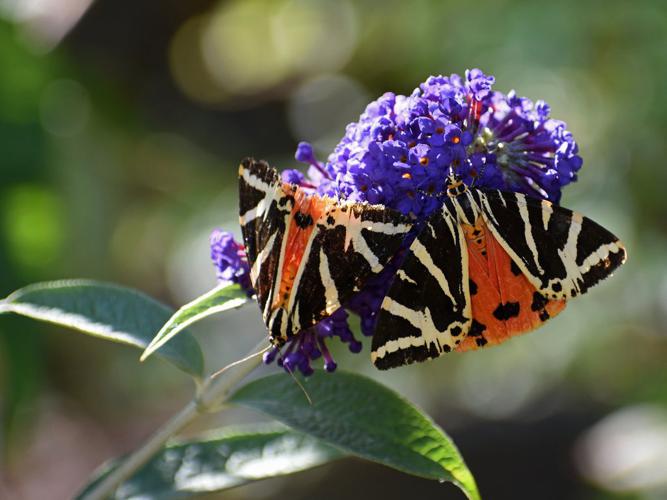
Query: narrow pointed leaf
{"points": [[221, 298], [107, 311], [358, 415], [221, 461]]}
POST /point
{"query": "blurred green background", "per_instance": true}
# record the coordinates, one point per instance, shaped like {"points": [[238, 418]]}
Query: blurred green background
{"points": [[121, 127]]}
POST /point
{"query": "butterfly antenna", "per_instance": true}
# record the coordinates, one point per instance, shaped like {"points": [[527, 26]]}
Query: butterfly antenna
{"points": [[481, 173], [303, 389], [439, 194], [239, 361]]}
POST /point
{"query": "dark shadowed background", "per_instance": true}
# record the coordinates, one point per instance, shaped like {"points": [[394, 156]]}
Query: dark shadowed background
{"points": [[121, 127]]}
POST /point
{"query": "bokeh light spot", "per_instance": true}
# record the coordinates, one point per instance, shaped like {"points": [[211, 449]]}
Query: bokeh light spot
{"points": [[187, 65], [34, 226], [313, 36], [253, 46], [627, 450], [238, 50]]}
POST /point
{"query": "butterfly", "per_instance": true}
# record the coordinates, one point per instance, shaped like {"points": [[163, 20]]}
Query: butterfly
{"points": [[488, 265]]}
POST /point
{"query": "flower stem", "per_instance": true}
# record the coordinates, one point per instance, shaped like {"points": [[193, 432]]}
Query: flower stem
{"points": [[214, 391]]}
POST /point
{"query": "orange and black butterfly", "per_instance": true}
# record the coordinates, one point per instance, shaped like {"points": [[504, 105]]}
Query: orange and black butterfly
{"points": [[487, 266]]}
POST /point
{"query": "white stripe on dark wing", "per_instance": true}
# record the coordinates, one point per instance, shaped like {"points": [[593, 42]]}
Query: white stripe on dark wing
{"points": [[425, 258], [261, 257], [527, 232], [404, 276], [546, 213], [330, 291]]}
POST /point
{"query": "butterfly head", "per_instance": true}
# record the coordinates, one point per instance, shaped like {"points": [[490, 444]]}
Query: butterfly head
{"points": [[455, 185]]}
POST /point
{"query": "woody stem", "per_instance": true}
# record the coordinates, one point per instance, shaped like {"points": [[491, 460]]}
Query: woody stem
{"points": [[214, 391]]}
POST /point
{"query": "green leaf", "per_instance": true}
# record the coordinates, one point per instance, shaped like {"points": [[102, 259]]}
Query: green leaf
{"points": [[225, 460], [361, 416], [108, 311], [221, 298]]}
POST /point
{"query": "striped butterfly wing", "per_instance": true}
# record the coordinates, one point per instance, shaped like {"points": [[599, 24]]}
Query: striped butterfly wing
{"points": [[309, 254], [537, 256], [351, 243], [489, 266], [427, 310], [265, 210], [561, 252], [504, 302]]}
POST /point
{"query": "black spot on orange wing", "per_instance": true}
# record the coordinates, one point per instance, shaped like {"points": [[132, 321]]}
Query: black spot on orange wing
{"points": [[476, 328], [481, 341], [515, 269], [539, 301], [303, 220], [473, 287], [506, 311]]}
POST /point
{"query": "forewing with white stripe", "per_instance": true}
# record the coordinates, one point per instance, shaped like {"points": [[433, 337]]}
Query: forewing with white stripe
{"points": [[352, 243], [308, 254], [265, 213], [427, 309], [561, 252]]}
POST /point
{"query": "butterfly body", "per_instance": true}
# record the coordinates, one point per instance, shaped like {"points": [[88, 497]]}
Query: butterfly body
{"points": [[485, 267]]}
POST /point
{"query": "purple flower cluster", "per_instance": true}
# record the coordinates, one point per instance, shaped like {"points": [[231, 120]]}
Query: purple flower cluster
{"points": [[230, 260], [399, 154], [310, 344], [400, 151]]}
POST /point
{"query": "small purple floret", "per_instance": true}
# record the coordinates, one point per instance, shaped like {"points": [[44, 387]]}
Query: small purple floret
{"points": [[292, 176], [304, 153], [478, 83], [230, 259]]}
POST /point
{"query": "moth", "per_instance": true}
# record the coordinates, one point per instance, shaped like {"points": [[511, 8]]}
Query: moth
{"points": [[487, 266]]}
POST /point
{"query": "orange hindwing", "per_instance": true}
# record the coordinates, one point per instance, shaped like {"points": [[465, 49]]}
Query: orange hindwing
{"points": [[504, 303]]}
